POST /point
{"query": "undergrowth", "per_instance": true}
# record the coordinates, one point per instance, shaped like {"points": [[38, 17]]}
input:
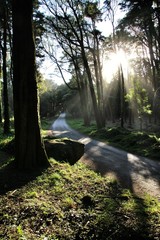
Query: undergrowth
{"points": [[137, 142]]}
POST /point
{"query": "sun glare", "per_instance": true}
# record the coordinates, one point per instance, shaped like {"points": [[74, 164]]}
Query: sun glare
{"points": [[112, 63]]}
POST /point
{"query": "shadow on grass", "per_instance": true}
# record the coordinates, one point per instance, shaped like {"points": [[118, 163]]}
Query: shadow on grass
{"points": [[12, 178], [111, 213], [132, 220]]}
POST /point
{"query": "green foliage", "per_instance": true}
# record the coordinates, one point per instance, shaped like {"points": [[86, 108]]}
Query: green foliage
{"points": [[7, 142], [79, 125], [47, 92], [137, 142], [46, 124], [20, 233], [138, 98], [55, 179], [92, 10], [68, 202], [32, 194]]}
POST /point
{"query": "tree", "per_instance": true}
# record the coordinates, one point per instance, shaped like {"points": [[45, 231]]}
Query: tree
{"points": [[138, 98], [29, 152], [72, 56], [0, 91], [94, 14], [3, 46]]}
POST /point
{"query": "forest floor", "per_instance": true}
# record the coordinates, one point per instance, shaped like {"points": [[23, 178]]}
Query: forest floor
{"points": [[67, 202]]}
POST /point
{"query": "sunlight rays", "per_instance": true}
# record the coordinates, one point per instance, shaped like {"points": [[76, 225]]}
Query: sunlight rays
{"points": [[112, 63], [127, 84]]}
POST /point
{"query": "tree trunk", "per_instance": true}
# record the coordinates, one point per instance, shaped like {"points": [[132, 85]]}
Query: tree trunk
{"points": [[29, 152], [84, 103], [83, 93], [6, 126], [98, 119], [122, 94], [0, 91]]}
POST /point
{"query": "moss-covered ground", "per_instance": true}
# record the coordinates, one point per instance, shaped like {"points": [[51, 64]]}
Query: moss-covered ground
{"points": [[67, 202], [73, 202]]}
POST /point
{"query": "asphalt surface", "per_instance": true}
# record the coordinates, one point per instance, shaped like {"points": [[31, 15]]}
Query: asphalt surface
{"points": [[140, 175]]}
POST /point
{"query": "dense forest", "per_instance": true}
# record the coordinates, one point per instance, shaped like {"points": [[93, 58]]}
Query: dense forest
{"points": [[114, 78], [57, 183]]}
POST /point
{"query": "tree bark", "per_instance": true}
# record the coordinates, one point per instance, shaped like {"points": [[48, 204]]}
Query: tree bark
{"points": [[30, 152], [0, 91]]}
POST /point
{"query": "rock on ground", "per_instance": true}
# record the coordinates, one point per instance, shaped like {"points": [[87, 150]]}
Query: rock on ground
{"points": [[64, 150]]}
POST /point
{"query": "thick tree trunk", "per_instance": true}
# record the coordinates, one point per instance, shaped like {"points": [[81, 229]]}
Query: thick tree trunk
{"points": [[29, 152]]}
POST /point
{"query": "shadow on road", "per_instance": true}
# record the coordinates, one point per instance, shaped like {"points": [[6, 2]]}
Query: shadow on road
{"points": [[133, 172], [106, 163], [140, 175]]}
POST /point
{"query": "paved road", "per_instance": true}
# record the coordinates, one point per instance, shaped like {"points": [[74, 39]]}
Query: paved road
{"points": [[140, 175]]}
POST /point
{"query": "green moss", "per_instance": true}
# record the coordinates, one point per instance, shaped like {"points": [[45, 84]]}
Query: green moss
{"points": [[69, 201], [73, 202]]}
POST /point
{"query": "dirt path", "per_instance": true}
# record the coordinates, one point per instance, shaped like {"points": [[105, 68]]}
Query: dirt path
{"points": [[140, 175]]}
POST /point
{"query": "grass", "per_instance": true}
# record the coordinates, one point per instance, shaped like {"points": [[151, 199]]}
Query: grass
{"points": [[70, 203], [67, 202], [141, 143], [46, 124]]}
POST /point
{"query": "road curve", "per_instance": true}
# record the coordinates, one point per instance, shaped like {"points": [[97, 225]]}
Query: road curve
{"points": [[140, 175]]}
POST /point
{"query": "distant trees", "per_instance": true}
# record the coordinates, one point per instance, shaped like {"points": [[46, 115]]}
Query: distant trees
{"points": [[47, 96], [55, 99], [143, 22], [5, 49], [72, 27], [79, 40], [139, 101]]}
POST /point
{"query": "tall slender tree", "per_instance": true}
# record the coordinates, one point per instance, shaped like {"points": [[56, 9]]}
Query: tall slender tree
{"points": [[3, 46], [29, 152], [0, 90]]}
